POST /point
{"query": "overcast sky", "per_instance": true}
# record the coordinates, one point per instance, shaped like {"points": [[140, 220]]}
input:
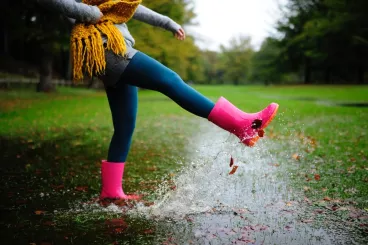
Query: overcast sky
{"points": [[219, 20]]}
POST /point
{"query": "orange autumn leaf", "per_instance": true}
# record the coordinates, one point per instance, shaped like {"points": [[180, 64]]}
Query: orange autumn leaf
{"points": [[233, 170], [296, 156], [81, 188], [39, 212], [152, 168], [317, 177], [231, 162], [327, 199], [261, 133]]}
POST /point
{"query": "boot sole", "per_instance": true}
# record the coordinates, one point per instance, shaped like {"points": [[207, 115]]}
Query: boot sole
{"points": [[253, 140]]}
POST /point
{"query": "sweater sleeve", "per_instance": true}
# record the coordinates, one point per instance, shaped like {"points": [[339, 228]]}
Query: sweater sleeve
{"points": [[72, 9], [153, 18]]}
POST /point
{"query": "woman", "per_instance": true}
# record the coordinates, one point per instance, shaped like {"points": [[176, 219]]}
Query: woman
{"points": [[122, 73]]}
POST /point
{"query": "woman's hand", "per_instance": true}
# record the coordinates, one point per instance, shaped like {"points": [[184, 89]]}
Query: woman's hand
{"points": [[98, 15], [101, 15], [180, 34]]}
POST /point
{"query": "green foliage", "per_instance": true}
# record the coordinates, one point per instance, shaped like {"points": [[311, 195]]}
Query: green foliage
{"points": [[326, 40], [180, 56], [237, 60], [319, 41], [231, 65], [264, 65]]}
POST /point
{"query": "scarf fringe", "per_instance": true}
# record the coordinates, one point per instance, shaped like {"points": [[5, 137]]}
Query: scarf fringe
{"points": [[87, 52], [115, 42]]}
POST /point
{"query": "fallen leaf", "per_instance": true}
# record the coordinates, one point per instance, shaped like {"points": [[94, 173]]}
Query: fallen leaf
{"points": [[81, 188], [296, 156], [335, 207], [48, 223], [261, 133], [327, 199], [307, 200], [118, 230], [289, 204], [148, 231], [116, 223], [153, 168], [317, 177], [307, 221], [306, 188], [288, 227], [39, 212], [231, 162], [233, 170]]}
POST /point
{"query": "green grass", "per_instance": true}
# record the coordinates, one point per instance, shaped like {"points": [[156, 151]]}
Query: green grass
{"points": [[61, 137], [75, 124]]}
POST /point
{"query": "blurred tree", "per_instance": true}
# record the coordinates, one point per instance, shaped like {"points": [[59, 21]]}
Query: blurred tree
{"points": [[39, 36], [181, 56], [36, 36], [236, 60], [326, 37], [264, 63], [212, 67]]}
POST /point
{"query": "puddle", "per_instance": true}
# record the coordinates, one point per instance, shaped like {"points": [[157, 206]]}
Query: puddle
{"points": [[256, 205], [353, 104]]}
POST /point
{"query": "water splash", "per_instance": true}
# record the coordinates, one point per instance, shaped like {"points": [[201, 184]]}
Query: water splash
{"points": [[205, 183], [254, 206]]}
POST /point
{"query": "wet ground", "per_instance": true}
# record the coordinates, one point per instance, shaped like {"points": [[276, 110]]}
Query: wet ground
{"points": [[202, 204]]}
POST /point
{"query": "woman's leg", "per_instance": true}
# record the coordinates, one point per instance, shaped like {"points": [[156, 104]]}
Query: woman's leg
{"points": [[123, 103], [145, 72], [123, 106]]}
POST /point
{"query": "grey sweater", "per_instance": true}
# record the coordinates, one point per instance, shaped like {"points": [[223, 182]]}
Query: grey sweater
{"points": [[80, 12]]}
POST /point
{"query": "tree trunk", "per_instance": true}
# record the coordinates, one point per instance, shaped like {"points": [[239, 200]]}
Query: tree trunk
{"points": [[5, 31], [307, 72], [361, 54], [327, 75], [361, 74], [45, 84], [6, 43]]}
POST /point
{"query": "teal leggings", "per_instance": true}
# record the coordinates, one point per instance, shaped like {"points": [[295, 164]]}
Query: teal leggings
{"points": [[145, 72]]}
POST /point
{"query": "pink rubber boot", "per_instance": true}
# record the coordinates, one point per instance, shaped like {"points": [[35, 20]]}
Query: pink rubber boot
{"points": [[112, 178], [247, 127]]}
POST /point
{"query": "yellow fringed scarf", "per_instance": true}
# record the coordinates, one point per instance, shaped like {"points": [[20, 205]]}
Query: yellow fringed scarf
{"points": [[87, 48]]}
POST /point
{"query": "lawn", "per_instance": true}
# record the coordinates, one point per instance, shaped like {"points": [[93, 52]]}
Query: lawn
{"points": [[52, 144]]}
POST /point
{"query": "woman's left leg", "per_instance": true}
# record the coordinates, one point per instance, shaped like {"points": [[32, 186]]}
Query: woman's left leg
{"points": [[123, 103]]}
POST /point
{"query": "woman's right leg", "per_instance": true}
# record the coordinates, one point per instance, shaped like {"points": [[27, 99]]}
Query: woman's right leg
{"points": [[144, 71]]}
